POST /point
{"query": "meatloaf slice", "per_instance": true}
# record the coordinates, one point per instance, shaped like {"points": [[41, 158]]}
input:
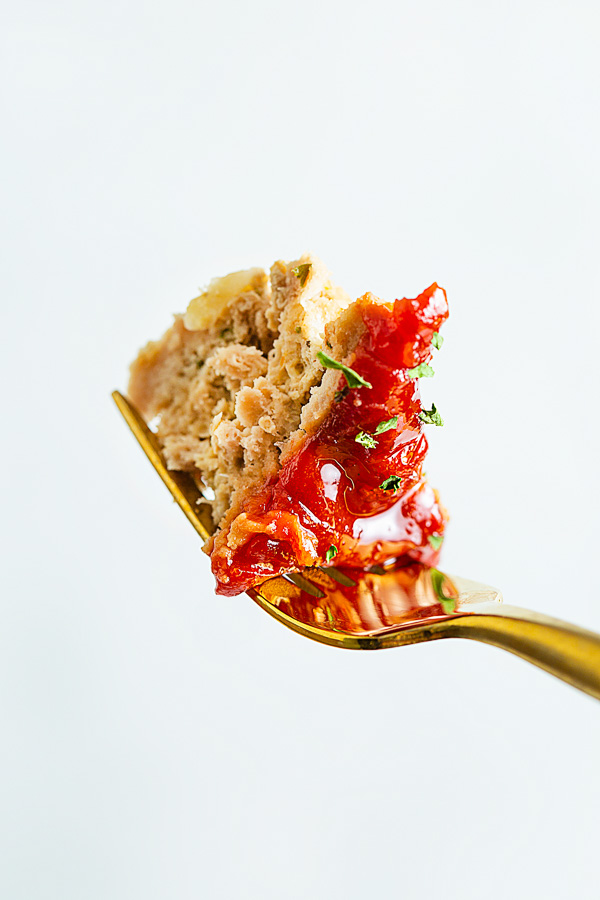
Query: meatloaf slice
{"points": [[297, 412]]}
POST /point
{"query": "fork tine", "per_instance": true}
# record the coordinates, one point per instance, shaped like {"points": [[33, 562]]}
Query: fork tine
{"points": [[186, 494], [181, 486]]}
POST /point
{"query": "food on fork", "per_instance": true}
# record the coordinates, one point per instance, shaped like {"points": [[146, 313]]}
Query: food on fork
{"points": [[297, 412]]}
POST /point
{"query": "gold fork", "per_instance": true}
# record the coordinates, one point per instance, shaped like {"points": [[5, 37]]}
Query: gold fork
{"points": [[390, 607]]}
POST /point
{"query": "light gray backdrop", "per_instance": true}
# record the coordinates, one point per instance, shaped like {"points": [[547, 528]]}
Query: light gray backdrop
{"points": [[158, 742]]}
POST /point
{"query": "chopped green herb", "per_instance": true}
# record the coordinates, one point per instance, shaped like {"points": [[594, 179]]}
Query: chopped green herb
{"points": [[339, 395], [329, 615], [437, 340], [431, 416], [226, 332], [329, 345], [331, 553], [301, 273], [298, 329], [199, 363], [385, 426], [353, 378], [436, 541], [391, 484], [423, 370], [437, 581], [365, 439]]}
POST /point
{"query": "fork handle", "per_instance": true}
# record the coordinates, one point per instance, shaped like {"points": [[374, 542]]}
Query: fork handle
{"points": [[566, 651]]}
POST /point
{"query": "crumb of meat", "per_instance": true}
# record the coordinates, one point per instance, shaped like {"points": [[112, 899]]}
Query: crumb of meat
{"points": [[236, 383]]}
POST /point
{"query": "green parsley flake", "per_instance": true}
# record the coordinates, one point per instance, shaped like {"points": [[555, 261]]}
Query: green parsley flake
{"points": [[353, 378], [391, 484], [226, 332], [436, 541], [331, 553], [437, 340], [365, 439], [301, 273], [385, 426], [298, 329], [431, 416], [423, 370], [437, 582]]}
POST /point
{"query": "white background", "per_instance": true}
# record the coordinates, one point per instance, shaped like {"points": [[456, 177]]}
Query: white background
{"points": [[157, 741]]}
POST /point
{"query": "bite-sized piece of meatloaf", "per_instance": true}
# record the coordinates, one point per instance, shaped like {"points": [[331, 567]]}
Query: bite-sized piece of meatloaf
{"points": [[297, 411]]}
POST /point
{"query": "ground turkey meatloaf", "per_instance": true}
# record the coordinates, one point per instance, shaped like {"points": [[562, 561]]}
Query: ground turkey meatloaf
{"points": [[297, 412]]}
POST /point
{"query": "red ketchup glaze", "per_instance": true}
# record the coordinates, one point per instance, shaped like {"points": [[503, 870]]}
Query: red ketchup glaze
{"points": [[329, 493]]}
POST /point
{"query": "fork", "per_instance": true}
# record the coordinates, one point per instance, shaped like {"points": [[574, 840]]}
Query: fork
{"points": [[391, 607]]}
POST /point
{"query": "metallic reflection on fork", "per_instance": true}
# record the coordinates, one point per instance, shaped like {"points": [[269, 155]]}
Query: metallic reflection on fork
{"points": [[389, 607]]}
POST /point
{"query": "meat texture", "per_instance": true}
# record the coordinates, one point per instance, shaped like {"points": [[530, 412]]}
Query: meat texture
{"points": [[236, 389]]}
